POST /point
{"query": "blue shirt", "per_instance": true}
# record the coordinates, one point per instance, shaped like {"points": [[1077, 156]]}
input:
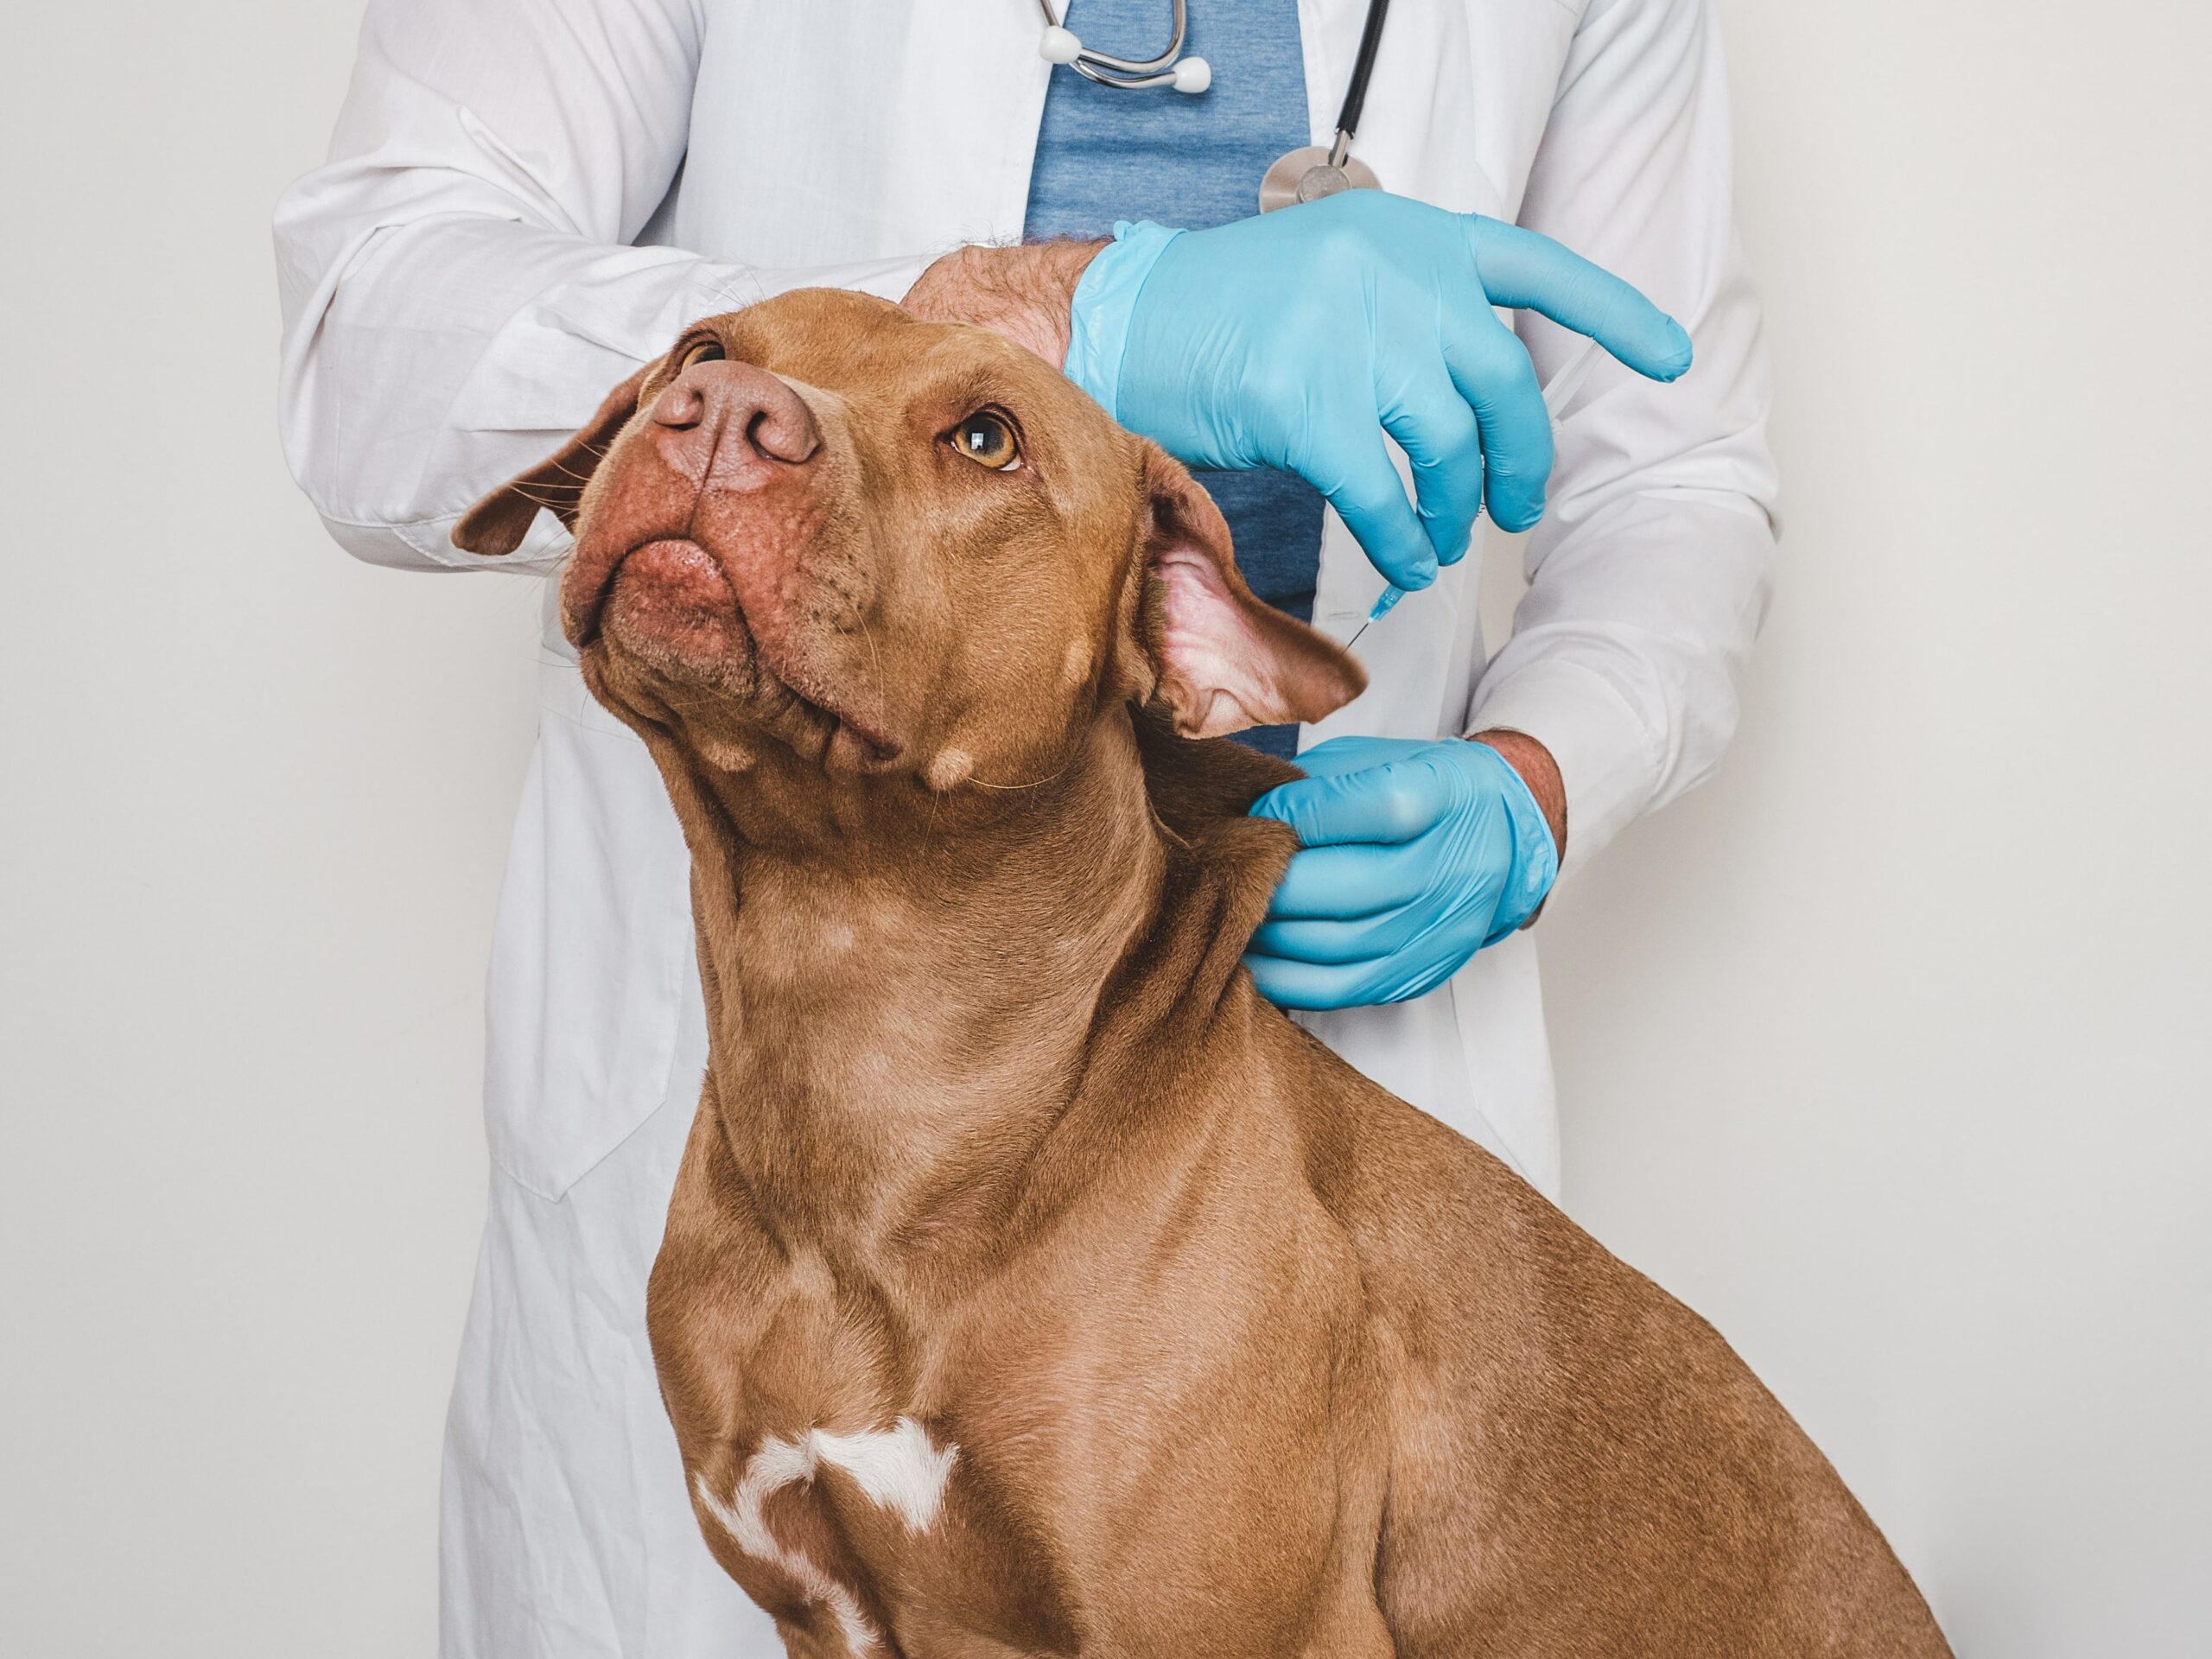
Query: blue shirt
{"points": [[1105, 153]]}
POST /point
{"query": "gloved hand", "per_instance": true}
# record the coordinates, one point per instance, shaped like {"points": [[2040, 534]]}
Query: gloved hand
{"points": [[1296, 338], [1414, 855]]}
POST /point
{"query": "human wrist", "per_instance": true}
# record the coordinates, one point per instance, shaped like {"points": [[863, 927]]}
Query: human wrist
{"points": [[1538, 812], [1534, 764], [1102, 305], [1023, 293]]}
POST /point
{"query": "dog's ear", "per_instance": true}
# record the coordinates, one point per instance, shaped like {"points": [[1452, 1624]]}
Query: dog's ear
{"points": [[496, 524], [1220, 657]]}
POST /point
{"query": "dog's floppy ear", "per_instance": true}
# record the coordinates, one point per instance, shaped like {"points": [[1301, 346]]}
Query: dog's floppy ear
{"points": [[1221, 657], [496, 524]]}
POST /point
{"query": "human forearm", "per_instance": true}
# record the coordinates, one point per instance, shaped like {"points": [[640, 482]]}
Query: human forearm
{"points": [[460, 282], [1022, 292], [423, 360], [1648, 576]]}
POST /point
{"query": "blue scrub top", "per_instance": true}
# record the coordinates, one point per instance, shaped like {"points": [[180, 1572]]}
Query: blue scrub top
{"points": [[1105, 153]]}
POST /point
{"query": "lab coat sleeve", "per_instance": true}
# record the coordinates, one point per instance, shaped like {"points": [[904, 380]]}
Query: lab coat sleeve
{"points": [[1649, 575], [459, 286]]}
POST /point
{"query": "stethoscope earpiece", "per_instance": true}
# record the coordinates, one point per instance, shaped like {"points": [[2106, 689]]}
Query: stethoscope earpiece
{"points": [[1059, 44]]}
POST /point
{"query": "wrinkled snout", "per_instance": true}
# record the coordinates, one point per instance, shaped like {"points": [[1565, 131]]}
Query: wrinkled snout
{"points": [[714, 494]]}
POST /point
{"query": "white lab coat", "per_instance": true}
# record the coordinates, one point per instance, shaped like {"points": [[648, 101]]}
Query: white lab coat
{"points": [[526, 197]]}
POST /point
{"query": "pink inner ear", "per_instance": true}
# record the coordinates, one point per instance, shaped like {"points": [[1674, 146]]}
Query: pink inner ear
{"points": [[1217, 667]]}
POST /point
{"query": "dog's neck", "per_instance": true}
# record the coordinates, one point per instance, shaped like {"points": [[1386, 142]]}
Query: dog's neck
{"points": [[899, 1016]]}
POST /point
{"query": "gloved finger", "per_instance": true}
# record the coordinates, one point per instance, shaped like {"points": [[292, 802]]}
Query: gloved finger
{"points": [[1417, 970], [1353, 470], [1430, 419], [1492, 371], [1528, 271], [1341, 883], [1365, 938], [1396, 801], [1311, 985], [1292, 984], [1333, 757]]}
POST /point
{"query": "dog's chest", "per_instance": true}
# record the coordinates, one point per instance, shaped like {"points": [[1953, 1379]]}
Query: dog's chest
{"points": [[881, 1534], [780, 1513]]}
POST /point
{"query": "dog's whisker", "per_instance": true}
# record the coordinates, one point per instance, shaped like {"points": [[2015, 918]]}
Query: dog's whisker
{"points": [[875, 657], [1034, 783]]}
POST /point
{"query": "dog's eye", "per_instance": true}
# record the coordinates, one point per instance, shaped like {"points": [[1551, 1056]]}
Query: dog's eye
{"points": [[988, 440], [706, 351]]}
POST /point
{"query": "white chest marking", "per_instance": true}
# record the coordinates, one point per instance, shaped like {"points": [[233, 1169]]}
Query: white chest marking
{"points": [[897, 1468]]}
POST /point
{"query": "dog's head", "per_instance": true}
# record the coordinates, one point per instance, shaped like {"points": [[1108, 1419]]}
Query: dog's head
{"points": [[822, 530]]}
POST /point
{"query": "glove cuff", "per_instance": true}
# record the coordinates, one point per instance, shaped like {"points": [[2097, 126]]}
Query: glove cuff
{"points": [[1105, 299], [1535, 854]]}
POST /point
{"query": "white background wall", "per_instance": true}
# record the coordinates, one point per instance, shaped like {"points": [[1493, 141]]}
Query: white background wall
{"points": [[1889, 1050]]}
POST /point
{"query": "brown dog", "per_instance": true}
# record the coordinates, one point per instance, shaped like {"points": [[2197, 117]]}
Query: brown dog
{"points": [[1032, 1285]]}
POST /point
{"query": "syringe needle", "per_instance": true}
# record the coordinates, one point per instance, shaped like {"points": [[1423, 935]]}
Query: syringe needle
{"points": [[1564, 385], [1569, 380]]}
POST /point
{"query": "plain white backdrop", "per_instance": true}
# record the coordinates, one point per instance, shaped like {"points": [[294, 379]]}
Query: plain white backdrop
{"points": [[1890, 1051]]}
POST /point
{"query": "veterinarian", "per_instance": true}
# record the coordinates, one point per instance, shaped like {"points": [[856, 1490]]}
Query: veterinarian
{"points": [[526, 200]]}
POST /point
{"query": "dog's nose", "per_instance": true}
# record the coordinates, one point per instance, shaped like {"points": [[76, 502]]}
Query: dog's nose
{"points": [[736, 425]]}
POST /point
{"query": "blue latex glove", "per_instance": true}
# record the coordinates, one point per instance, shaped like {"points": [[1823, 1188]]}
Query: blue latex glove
{"points": [[1414, 855], [1295, 340]]}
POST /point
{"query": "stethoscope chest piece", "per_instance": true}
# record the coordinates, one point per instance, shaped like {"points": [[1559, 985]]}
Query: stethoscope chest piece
{"points": [[1320, 171], [1310, 173]]}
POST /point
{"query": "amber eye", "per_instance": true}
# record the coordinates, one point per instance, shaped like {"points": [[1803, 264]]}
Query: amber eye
{"points": [[705, 351], [988, 440]]}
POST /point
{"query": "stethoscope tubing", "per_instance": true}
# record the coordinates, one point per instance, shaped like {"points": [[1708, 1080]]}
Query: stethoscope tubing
{"points": [[1363, 66]]}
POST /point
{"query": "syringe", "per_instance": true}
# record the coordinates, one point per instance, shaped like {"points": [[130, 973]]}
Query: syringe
{"points": [[1564, 385]]}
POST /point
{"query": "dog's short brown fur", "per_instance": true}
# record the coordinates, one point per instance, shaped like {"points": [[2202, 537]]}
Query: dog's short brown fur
{"points": [[1030, 1285]]}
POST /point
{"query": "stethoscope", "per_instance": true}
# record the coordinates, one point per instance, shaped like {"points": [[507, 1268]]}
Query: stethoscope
{"points": [[1304, 175]]}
